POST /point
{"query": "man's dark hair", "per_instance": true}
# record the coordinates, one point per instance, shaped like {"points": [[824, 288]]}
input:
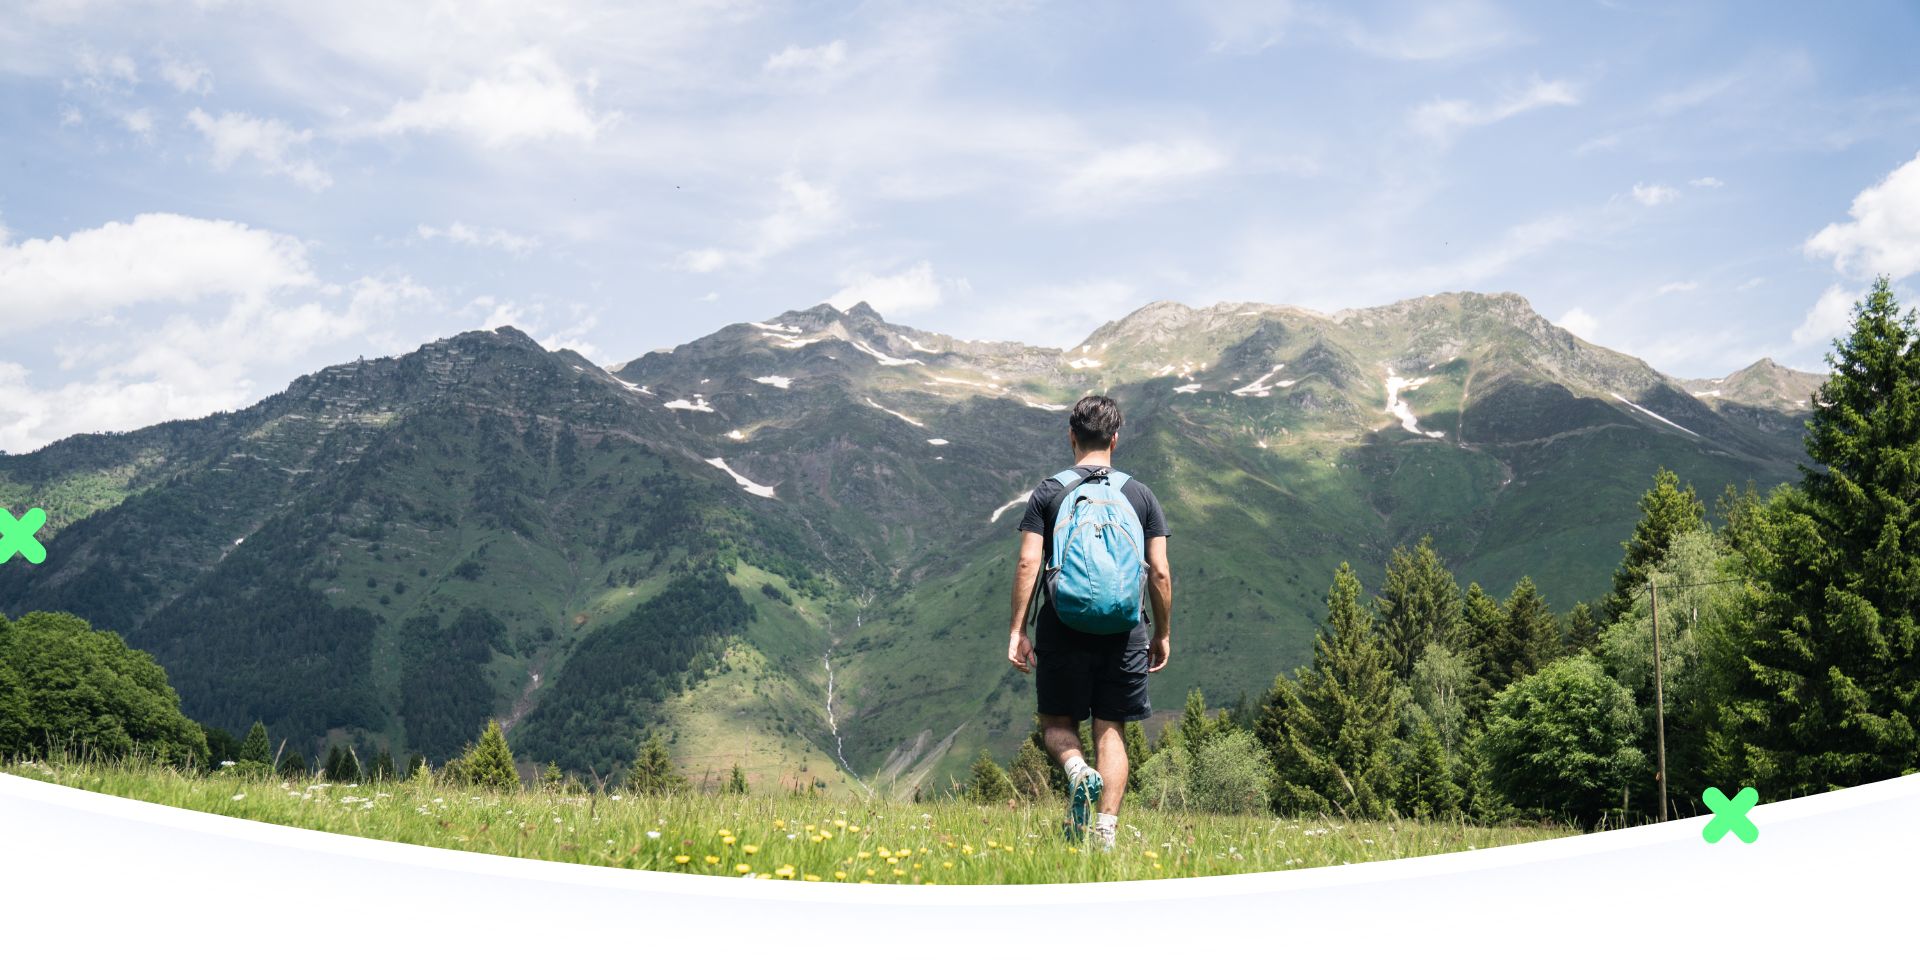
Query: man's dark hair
{"points": [[1095, 419]]}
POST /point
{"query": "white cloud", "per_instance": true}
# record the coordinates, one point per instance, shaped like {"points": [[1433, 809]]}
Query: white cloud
{"points": [[903, 293], [1707, 182], [1441, 119], [803, 212], [106, 71], [268, 141], [1418, 32], [709, 297], [1672, 287], [1580, 322], [1830, 317], [1652, 195], [1884, 235], [529, 98], [187, 78], [138, 122], [1750, 284], [1129, 172], [187, 366], [1058, 315], [500, 238], [795, 58], [154, 258]]}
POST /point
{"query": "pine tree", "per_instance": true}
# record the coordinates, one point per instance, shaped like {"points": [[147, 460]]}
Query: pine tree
{"points": [[293, 765], [1427, 788], [1330, 733], [1419, 606], [1528, 638], [1484, 621], [551, 780], [382, 766], [489, 764], [737, 781], [1583, 630], [335, 766], [1195, 725], [415, 762], [1666, 511], [988, 785], [653, 771], [1829, 695], [256, 746], [1031, 773]]}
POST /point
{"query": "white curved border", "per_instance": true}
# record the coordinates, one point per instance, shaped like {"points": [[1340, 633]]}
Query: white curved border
{"points": [[1829, 873]]}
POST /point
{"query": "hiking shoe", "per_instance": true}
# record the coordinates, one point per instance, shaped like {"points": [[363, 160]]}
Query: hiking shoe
{"points": [[1103, 837], [1081, 800]]}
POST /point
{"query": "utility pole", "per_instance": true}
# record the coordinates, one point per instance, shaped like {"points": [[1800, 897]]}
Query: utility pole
{"points": [[1659, 698]]}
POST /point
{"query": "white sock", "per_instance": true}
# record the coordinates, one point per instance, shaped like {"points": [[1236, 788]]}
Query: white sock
{"points": [[1076, 766], [1106, 824]]}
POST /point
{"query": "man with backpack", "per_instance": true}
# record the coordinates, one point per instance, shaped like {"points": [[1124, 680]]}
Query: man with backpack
{"points": [[1091, 539]]}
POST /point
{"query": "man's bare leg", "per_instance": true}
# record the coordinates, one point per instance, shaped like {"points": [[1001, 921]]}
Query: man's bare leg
{"points": [[1110, 740], [1061, 735]]}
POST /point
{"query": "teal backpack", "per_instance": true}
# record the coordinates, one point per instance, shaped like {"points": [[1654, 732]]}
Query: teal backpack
{"points": [[1098, 566]]}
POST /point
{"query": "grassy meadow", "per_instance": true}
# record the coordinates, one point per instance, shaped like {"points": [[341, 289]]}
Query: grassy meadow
{"points": [[786, 836]]}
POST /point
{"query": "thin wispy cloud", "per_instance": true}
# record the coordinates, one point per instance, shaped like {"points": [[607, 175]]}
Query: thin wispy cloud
{"points": [[1443, 119]]}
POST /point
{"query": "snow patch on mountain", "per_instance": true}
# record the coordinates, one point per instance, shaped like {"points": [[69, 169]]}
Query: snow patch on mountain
{"points": [[1259, 387], [777, 382], [881, 357], [890, 412], [697, 404], [1084, 363], [917, 347], [1403, 409], [1655, 415], [1189, 387], [748, 485], [736, 434], [642, 390], [1010, 504], [776, 327], [1049, 407], [937, 442]]}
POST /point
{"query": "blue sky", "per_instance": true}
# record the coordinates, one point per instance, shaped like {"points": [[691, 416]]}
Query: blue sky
{"points": [[200, 201]]}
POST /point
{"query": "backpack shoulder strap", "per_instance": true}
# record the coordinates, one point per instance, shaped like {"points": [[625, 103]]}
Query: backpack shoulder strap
{"points": [[1068, 480]]}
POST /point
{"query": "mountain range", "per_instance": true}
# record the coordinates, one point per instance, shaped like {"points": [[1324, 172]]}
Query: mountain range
{"points": [[788, 543]]}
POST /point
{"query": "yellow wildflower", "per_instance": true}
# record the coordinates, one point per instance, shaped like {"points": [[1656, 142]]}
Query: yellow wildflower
{"points": [[727, 840], [946, 865], [839, 823], [784, 872], [838, 874], [816, 840], [743, 868], [682, 859], [810, 828], [883, 853], [853, 828], [810, 877], [749, 849], [713, 860], [893, 860], [779, 823], [725, 832], [866, 855], [1152, 854]]}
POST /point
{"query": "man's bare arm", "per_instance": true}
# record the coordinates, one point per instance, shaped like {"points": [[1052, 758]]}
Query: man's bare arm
{"points": [[1160, 596], [1026, 568]]}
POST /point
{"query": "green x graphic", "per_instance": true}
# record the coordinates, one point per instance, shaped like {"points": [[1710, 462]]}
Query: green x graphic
{"points": [[16, 536], [1730, 815]]}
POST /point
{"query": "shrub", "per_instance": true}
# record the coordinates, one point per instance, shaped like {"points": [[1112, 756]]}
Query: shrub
{"points": [[1562, 741], [1230, 773], [1163, 780]]}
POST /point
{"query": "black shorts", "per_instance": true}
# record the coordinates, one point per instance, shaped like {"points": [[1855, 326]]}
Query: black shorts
{"points": [[1080, 675]]}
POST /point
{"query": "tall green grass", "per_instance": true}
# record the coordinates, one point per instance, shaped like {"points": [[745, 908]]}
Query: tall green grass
{"points": [[785, 836]]}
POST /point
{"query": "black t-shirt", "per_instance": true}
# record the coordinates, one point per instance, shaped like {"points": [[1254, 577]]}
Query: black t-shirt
{"points": [[1153, 523]]}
